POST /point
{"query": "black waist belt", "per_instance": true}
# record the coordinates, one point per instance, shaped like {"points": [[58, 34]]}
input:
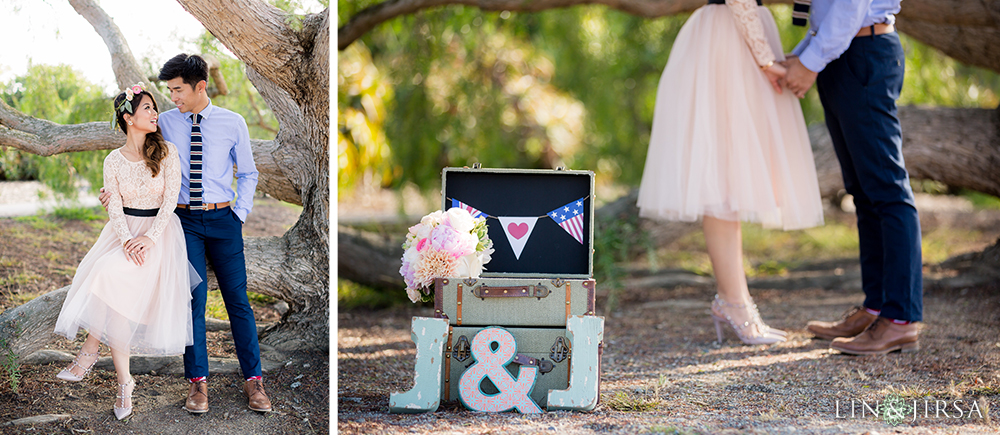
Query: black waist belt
{"points": [[141, 212], [722, 2]]}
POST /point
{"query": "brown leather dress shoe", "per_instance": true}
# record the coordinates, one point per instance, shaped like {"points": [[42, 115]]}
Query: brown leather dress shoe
{"points": [[852, 323], [197, 401], [882, 337], [256, 397]]}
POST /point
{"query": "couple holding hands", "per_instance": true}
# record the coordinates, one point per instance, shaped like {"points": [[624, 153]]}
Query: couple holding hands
{"points": [[729, 144]]}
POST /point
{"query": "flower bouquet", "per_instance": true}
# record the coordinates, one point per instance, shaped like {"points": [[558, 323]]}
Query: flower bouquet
{"points": [[444, 244]]}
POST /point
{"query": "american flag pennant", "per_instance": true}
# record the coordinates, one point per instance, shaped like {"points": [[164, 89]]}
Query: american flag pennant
{"points": [[570, 218], [472, 210]]}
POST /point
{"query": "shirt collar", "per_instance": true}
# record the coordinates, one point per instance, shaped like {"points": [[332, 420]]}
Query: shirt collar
{"points": [[205, 113]]}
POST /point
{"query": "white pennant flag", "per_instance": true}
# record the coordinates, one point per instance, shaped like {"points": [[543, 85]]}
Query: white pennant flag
{"points": [[517, 229]]}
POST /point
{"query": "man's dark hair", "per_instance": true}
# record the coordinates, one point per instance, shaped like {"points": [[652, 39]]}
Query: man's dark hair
{"points": [[192, 69]]}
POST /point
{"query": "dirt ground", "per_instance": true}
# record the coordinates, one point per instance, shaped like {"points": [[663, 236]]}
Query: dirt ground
{"points": [[40, 255], [664, 373]]}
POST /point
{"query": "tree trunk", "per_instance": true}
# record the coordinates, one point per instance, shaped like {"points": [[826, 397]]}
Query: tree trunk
{"points": [[290, 68]]}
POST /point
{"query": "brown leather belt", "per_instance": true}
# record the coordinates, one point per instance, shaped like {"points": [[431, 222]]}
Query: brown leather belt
{"points": [[206, 207], [880, 29]]}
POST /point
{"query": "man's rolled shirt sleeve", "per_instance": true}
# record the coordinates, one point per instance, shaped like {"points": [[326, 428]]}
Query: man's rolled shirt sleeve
{"points": [[834, 34]]}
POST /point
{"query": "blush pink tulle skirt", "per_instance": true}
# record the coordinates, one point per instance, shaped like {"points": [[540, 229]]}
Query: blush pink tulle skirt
{"points": [[144, 309], [724, 143]]}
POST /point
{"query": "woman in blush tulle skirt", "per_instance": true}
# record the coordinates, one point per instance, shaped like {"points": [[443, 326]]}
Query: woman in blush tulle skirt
{"points": [[729, 145], [132, 290]]}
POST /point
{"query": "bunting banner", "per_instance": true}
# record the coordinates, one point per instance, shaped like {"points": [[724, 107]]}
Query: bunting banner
{"points": [[472, 210], [517, 229], [570, 218]]}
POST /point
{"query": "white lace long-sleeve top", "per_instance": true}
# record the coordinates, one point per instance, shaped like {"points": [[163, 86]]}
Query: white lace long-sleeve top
{"points": [[748, 22], [131, 184]]}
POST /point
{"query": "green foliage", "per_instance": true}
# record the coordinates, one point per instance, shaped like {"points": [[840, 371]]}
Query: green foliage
{"points": [[351, 295], [573, 86], [10, 367], [80, 213], [60, 95], [623, 402], [981, 201], [363, 151], [937, 80], [613, 240]]}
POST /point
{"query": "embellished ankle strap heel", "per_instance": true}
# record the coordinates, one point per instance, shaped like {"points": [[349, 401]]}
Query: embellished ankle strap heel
{"points": [[67, 374], [749, 331], [124, 411]]}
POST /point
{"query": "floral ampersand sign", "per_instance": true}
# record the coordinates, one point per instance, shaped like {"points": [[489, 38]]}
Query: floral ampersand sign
{"points": [[490, 364]]}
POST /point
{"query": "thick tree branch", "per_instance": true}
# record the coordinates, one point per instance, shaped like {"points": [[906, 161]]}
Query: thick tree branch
{"points": [[127, 71], [46, 138], [374, 15], [263, 39]]}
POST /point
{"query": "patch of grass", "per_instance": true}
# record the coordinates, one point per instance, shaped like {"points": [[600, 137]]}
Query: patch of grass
{"points": [[19, 279], [38, 222], [770, 268], [353, 295], [80, 213], [981, 201], [260, 300], [23, 298], [944, 243], [10, 367], [10, 262], [625, 403], [53, 256], [215, 306]]}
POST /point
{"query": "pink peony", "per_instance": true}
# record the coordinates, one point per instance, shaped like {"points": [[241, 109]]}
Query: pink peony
{"points": [[445, 238]]}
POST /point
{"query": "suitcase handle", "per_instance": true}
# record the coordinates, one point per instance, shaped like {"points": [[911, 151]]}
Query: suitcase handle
{"points": [[521, 291]]}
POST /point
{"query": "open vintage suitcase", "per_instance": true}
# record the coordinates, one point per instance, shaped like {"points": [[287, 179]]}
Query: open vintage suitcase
{"points": [[538, 286]]}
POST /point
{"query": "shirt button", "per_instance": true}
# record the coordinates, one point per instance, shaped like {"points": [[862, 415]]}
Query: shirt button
{"points": [[812, 32]]}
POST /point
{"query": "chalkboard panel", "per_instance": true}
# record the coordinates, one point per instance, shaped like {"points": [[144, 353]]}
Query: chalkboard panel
{"points": [[550, 251]]}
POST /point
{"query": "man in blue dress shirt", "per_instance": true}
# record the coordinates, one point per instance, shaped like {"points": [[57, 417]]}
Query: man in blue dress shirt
{"points": [[210, 140], [853, 54]]}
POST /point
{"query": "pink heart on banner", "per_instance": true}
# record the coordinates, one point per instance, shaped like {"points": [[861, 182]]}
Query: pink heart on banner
{"points": [[517, 230]]}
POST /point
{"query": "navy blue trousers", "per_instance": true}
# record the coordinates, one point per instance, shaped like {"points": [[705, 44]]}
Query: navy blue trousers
{"points": [[859, 92], [217, 236]]}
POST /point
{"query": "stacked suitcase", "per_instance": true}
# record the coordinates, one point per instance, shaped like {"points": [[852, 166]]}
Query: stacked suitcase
{"points": [[538, 287]]}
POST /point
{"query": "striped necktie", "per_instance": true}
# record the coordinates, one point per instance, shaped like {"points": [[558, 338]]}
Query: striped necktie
{"points": [[196, 190], [800, 12]]}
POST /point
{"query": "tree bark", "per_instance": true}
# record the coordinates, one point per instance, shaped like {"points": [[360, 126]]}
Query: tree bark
{"points": [[290, 68]]}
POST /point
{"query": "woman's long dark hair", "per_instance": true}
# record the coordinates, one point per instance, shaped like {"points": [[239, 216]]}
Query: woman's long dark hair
{"points": [[155, 148]]}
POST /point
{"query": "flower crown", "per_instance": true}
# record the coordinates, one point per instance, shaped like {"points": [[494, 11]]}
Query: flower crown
{"points": [[126, 104]]}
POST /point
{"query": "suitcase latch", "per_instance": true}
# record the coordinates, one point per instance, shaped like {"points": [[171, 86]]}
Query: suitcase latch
{"points": [[461, 350], [522, 291], [559, 350], [544, 366]]}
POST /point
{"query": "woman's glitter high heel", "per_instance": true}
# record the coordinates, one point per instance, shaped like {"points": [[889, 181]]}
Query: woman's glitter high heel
{"points": [[749, 332]]}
